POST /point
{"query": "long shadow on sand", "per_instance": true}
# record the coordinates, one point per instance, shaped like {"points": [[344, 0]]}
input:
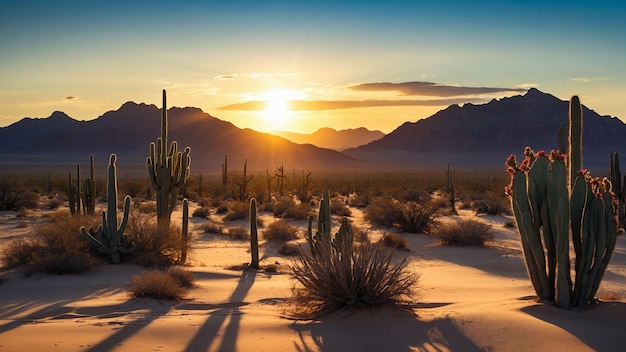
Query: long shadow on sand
{"points": [[394, 328], [209, 330], [601, 327]]}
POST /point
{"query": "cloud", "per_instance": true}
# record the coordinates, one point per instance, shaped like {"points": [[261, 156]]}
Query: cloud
{"points": [[69, 98], [430, 89], [316, 105], [588, 79]]}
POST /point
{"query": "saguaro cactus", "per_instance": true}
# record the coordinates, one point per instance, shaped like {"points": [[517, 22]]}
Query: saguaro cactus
{"points": [[167, 171], [185, 231], [550, 198], [254, 237], [450, 187], [89, 193], [109, 238]]}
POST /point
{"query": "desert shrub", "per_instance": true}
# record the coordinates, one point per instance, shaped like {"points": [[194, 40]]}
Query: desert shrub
{"points": [[202, 212], [361, 200], [55, 203], [147, 207], [395, 241], [156, 284], [414, 195], [237, 210], [463, 233], [221, 208], [381, 212], [56, 247], [286, 207], [287, 248], [184, 277], [490, 203], [336, 279], [509, 223], [339, 207], [211, 227], [359, 235], [154, 245], [415, 217], [237, 233], [279, 230], [15, 196]]}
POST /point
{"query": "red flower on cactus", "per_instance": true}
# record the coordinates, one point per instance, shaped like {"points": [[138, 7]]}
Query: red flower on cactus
{"points": [[508, 191], [541, 153]]}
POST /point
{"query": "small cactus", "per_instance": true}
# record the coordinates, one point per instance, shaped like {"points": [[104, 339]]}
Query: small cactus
{"points": [[254, 237]]}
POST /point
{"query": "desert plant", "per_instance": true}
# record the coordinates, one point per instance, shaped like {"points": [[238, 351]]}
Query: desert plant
{"points": [[336, 275], [279, 230], [415, 217], [109, 238], [238, 233], [168, 171], [380, 211], [241, 182], [394, 241], [89, 193], [287, 248], [157, 285], [467, 232], [302, 190], [254, 236], [339, 207], [550, 197], [451, 187], [280, 178], [15, 196], [154, 245], [237, 210], [211, 227], [202, 212], [184, 277]]}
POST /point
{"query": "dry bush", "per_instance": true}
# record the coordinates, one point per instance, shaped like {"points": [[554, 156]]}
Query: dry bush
{"points": [[395, 241], [279, 230], [237, 211], [339, 207], [15, 196], [337, 279], [211, 227], [147, 207], [157, 285], [467, 232], [221, 208], [380, 212], [154, 245], [56, 247], [509, 223], [287, 208], [491, 204], [202, 212], [55, 203], [289, 249], [415, 217], [184, 277], [238, 233]]}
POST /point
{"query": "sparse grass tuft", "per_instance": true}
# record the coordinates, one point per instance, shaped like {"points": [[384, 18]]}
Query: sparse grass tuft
{"points": [[289, 249], [211, 227], [463, 233], [202, 212]]}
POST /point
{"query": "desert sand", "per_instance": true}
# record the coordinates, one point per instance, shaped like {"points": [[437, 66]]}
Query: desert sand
{"points": [[467, 299]]}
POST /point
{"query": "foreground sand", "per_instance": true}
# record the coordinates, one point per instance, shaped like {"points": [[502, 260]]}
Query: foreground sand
{"points": [[468, 299]]}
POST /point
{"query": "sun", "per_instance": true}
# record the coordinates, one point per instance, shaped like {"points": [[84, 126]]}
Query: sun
{"points": [[277, 114]]}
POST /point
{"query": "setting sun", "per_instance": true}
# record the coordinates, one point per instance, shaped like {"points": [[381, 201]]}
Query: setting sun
{"points": [[277, 114]]}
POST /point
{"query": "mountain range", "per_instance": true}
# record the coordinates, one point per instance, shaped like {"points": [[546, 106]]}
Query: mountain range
{"points": [[468, 136], [332, 139]]}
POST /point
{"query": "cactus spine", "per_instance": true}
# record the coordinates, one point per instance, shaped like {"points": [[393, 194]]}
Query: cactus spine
{"points": [[549, 198], [254, 237], [168, 171], [109, 238]]}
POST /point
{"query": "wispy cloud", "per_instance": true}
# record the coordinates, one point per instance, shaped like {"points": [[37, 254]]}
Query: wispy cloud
{"points": [[316, 105], [588, 79], [430, 89]]}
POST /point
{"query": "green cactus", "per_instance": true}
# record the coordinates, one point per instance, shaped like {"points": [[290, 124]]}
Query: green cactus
{"points": [[254, 237], [619, 185], [550, 198], [71, 195], [225, 171], [185, 231], [322, 240], [242, 181], [280, 178], [167, 171], [89, 194], [302, 191], [450, 187], [109, 238]]}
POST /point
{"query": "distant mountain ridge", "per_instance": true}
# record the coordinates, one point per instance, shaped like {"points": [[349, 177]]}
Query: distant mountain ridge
{"points": [[471, 136], [332, 139], [484, 135], [129, 130]]}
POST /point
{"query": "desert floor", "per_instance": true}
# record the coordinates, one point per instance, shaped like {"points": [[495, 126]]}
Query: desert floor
{"points": [[467, 299]]}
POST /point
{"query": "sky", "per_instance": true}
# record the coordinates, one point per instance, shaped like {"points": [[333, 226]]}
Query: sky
{"points": [[299, 66]]}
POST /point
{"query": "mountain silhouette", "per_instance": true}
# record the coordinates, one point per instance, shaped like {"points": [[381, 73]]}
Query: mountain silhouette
{"points": [[485, 135], [332, 139], [129, 130]]}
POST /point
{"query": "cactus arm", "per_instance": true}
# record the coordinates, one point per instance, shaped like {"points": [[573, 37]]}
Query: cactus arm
{"points": [[575, 137]]}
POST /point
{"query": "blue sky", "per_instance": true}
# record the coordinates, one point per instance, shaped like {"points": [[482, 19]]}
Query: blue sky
{"points": [[88, 57]]}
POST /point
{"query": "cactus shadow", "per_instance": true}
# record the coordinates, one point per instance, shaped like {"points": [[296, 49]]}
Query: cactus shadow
{"points": [[600, 326], [388, 328], [209, 330]]}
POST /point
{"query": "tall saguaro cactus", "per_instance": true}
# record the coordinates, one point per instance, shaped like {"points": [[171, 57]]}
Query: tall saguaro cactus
{"points": [[109, 238], [89, 193], [168, 171], [551, 198]]}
